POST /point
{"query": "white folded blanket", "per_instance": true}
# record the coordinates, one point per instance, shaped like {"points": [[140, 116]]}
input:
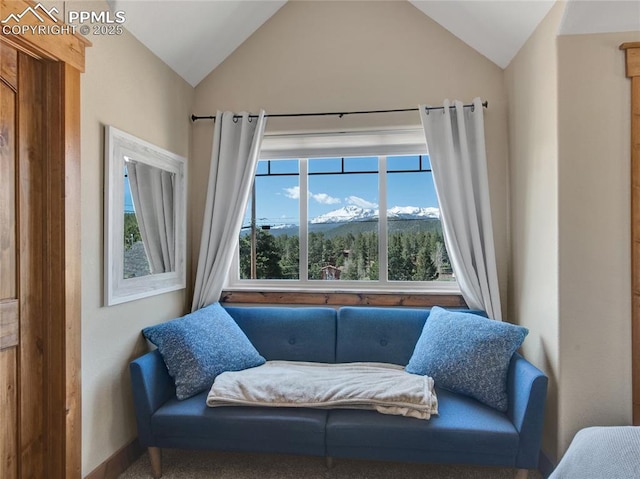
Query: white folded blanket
{"points": [[386, 388]]}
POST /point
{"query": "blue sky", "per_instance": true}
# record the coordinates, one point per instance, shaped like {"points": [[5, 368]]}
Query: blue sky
{"points": [[277, 196], [128, 201]]}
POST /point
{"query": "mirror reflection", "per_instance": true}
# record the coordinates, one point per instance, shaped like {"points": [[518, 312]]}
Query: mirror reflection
{"points": [[149, 219]]}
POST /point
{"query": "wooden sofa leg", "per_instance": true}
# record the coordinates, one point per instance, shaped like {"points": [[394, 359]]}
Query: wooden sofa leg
{"points": [[155, 456], [522, 474], [329, 460]]}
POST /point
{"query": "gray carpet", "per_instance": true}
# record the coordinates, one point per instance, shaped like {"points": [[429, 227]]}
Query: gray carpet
{"points": [[228, 465]]}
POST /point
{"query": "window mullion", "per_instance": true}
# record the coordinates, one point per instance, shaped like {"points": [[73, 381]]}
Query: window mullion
{"points": [[304, 222], [382, 220]]}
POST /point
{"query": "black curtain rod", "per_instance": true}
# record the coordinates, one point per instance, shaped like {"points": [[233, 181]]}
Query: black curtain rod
{"points": [[339, 113]]}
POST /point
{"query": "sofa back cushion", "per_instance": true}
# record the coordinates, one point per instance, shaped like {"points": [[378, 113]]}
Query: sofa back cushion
{"points": [[378, 334], [386, 335], [287, 333]]}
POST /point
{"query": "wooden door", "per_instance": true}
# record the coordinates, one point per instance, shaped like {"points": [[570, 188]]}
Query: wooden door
{"points": [[24, 326], [39, 387], [39, 248], [9, 315]]}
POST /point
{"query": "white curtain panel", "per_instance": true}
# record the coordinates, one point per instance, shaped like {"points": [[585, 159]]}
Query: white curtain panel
{"points": [[152, 191], [236, 146], [455, 140]]}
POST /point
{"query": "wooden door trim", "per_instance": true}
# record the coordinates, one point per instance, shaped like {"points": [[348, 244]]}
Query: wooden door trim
{"points": [[632, 56], [64, 61], [31, 156], [68, 48], [63, 217]]}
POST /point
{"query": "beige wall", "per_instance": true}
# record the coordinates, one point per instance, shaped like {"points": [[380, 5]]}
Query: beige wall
{"points": [[126, 86], [594, 234], [569, 176], [531, 79], [336, 56]]}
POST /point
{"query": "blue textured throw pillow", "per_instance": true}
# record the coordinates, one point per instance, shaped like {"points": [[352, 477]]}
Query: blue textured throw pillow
{"points": [[468, 354], [199, 346]]}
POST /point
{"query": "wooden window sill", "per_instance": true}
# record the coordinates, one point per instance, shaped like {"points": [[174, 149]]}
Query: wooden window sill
{"points": [[343, 299]]}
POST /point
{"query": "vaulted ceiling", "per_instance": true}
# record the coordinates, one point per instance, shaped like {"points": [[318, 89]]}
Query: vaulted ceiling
{"points": [[194, 37]]}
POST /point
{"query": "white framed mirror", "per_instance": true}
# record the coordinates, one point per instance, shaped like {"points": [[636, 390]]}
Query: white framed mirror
{"points": [[145, 219]]}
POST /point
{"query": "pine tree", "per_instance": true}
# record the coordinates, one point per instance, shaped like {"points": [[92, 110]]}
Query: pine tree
{"points": [[395, 257], [289, 248], [425, 268], [267, 257]]}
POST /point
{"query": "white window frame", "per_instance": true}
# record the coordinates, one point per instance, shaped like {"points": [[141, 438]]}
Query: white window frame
{"points": [[383, 143]]}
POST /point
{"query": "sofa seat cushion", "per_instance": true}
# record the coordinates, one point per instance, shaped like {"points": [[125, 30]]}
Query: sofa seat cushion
{"points": [[191, 424], [464, 431]]}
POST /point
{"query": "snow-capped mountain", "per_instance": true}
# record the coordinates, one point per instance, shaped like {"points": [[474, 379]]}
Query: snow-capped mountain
{"points": [[344, 214], [413, 212], [356, 213]]}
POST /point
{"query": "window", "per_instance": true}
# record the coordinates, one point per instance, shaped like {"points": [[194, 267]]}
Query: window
{"points": [[313, 222]]}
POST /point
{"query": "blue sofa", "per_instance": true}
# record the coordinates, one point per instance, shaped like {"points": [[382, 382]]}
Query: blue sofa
{"points": [[464, 432]]}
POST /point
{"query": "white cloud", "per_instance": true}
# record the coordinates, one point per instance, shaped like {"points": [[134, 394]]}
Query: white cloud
{"points": [[324, 198], [362, 203], [293, 193]]}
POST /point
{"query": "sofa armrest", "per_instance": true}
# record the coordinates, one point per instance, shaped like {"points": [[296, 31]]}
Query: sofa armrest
{"points": [[152, 387], [527, 388]]}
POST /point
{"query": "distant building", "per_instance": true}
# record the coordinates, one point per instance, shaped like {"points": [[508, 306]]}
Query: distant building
{"points": [[330, 272]]}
